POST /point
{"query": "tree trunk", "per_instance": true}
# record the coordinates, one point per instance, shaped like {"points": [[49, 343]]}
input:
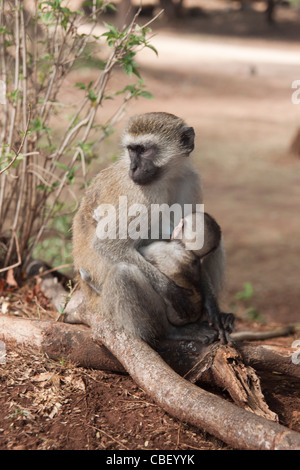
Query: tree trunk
{"points": [[270, 11], [125, 13]]}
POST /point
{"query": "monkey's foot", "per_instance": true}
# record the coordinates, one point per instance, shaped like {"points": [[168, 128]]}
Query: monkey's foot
{"points": [[225, 326]]}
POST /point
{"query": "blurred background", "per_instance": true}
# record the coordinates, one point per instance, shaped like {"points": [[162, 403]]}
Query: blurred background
{"points": [[228, 69]]}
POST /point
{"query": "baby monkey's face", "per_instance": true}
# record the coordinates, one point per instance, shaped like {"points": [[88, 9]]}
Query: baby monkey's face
{"points": [[198, 232]]}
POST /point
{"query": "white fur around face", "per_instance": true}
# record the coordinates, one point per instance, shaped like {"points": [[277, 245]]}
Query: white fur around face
{"points": [[144, 139], [165, 153]]}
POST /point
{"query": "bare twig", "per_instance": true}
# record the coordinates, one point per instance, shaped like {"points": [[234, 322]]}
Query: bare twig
{"points": [[109, 436], [19, 262], [14, 227], [56, 268], [4, 78], [17, 72], [19, 149]]}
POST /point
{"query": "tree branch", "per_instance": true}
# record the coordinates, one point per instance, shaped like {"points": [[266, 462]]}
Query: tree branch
{"points": [[237, 427]]}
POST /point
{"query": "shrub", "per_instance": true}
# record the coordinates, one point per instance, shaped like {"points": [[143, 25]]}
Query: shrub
{"points": [[39, 162]]}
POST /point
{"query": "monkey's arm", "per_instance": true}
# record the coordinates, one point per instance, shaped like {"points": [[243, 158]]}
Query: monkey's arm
{"points": [[214, 262], [177, 296], [223, 322]]}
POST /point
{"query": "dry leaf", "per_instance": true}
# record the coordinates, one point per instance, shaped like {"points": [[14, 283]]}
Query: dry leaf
{"points": [[55, 379], [76, 382], [79, 384], [43, 377], [48, 377], [55, 409]]}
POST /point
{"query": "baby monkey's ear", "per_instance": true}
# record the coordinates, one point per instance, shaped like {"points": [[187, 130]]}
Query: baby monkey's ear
{"points": [[177, 233]]}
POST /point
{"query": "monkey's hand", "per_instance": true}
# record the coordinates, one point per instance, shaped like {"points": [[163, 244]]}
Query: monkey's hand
{"points": [[180, 307], [223, 322], [228, 322]]}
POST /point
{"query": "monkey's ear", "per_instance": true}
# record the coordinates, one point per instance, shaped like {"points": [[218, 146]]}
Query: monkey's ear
{"points": [[187, 138]]}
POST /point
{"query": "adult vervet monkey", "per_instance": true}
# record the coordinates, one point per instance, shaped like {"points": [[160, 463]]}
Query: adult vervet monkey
{"points": [[153, 169]]}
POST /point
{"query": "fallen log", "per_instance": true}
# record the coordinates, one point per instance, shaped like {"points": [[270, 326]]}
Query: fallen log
{"points": [[216, 364], [238, 427], [59, 341], [74, 342], [262, 357], [269, 357], [228, 371], [184, 356]]}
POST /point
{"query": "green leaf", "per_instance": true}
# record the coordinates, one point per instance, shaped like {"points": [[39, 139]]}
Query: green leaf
{"points": [[86, 147], [127, 68], [110, 6], [152, 48], [92, 96], [146, 94], [47, 17], [112, 29], [80, 85], [247, 293], [36, 125], [254, 315], [62, 166]]}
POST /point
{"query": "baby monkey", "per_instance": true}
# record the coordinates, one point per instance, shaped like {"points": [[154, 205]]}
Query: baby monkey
{"points": [[180, 259]]}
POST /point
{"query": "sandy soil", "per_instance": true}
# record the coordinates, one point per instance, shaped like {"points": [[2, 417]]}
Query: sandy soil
{"points": [[236, 92]]}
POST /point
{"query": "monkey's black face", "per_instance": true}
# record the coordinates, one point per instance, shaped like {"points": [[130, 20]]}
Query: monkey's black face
{"points": [[142, 169]]}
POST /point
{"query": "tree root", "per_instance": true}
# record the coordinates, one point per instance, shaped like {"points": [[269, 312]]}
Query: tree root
{"points": [[169, 375]]}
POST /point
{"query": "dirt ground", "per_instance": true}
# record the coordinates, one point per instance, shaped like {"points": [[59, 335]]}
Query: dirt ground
{"points": [[241, 109]]}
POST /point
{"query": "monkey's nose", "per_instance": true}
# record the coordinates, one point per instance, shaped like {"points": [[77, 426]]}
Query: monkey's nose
{"points": [[131, 173], [133, 167]]}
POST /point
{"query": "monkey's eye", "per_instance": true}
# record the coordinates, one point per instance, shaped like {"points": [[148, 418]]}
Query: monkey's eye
{"points": [[141, 151], [135, 149], [148, 153]]}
